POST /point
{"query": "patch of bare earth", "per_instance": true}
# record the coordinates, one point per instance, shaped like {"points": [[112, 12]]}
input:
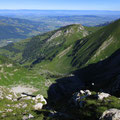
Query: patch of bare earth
{"points": [[64, 52], [104, 46], [24, 89]]}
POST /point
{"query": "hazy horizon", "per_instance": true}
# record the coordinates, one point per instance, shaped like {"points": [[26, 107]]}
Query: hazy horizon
{"points": [[59, 10], [112, 5]]}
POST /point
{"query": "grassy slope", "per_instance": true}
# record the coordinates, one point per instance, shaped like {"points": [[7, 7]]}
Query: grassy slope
{"points": [[68, 51], [16, 75], [91, 49], [48, 55], [97, 46]]}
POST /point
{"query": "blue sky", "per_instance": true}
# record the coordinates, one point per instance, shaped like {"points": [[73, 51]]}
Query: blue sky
{"points": [[61, 4]]}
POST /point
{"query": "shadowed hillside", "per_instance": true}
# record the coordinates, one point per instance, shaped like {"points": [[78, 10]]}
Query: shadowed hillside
{"points": [[104, 75]]}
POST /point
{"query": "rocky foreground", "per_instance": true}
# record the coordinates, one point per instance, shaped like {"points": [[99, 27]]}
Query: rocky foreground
{"points": [[19, 106], [83, 105], [78, 100], [89, 105]]}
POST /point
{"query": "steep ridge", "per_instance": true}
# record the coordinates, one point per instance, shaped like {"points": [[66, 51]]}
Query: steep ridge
{"points": [[49, 50], [97, 46], [71, 47], [99, 72]]}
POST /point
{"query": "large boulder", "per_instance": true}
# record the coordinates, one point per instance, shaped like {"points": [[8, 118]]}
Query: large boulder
{"points": [[82, 92], [102, 95], [78, 97], [41, 99], [38, 106], [87, 92], [111, 114]]}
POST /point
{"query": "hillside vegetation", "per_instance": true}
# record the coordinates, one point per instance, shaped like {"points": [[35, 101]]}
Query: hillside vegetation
{"points": [[12, 75], [75, 67], [49, 50], [71, 47], [15, 29]]}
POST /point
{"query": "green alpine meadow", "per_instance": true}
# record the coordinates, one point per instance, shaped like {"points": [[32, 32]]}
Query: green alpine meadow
{"points": [[59, 60]]}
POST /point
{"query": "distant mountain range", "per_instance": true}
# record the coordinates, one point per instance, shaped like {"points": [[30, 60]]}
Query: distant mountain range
{"points": [[16, 25], [15, 29], [60, 12]]}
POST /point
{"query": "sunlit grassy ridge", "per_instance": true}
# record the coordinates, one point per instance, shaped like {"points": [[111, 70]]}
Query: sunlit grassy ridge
{"points": [[50, 50]]}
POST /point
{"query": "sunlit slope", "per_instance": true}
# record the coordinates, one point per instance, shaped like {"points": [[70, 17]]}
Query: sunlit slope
{"points": [[12, 74], [50, 47], [97, 46]]}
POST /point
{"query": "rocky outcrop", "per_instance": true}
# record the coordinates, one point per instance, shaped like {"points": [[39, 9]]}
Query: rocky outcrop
{"points": [[24, 102], [41, 99], [38, 106], [28, 117], [57, 34], [69, 31], [9, 65], [102, 95], [38, 100], [78, 97], [111, 114]]}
